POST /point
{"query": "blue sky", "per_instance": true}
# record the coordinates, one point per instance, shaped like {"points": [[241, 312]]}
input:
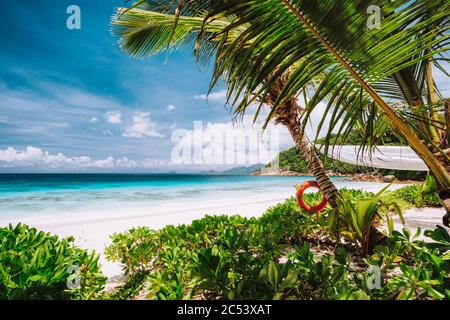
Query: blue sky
{"points": [[76, 93], [71, 100]]}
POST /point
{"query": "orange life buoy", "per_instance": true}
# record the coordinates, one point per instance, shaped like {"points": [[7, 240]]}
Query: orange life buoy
{"points": [[317, 208]]}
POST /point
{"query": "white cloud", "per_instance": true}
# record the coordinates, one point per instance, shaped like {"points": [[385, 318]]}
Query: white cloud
{"points": [[142, 127], [170, 107], [94, 119], [40, 159], [154, 163], [310, 130], [213, 96], [126, 163], [314, 119], [113, 117], [229, 143], [36, 157], [105, 163]]}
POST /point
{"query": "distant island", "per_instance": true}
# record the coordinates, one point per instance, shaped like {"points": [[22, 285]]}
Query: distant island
{"points": [[243, 170]]}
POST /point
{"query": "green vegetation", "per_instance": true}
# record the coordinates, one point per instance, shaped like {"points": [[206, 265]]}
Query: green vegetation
{"points": [[214, 256], [356, 137], [354, 219], [422, 270], [286, 253], [420, 195], [292, 160], [36, 265], [225, 253]]}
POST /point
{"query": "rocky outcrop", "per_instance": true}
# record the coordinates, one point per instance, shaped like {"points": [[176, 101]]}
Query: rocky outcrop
{"points": [[388, 179]]}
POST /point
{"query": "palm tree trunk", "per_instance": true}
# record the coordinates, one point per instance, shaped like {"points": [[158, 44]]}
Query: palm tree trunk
{"points": [[288, 115], [314, 164], [444, 194]]}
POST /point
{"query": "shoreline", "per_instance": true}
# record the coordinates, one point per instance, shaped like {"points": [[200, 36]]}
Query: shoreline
{"points": [[351, 177]]}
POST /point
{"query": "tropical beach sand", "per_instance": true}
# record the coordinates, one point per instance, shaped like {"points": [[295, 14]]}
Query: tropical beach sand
{"points": [[92, 229]]}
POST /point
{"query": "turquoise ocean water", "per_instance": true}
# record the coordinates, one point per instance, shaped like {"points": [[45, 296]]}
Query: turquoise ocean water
{"points": [[30, 194]]}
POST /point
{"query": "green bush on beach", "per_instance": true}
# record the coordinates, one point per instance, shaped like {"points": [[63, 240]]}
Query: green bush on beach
{"points": [[36, 265], [285, 254], [418, 196], [223, 255]]}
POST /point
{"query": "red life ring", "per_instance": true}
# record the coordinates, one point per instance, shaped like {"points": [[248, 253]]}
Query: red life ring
{"points": [[317, 208]]}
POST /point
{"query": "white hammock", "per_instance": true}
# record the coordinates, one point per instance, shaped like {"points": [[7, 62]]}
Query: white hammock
{"points": [[384, 157]]}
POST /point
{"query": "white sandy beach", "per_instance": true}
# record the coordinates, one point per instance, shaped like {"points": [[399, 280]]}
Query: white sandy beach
{"points": [[92, 229]]}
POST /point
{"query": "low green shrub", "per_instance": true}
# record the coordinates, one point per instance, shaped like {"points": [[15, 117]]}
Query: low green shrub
{"points": [[356, 194], [414, 195], [36, 265], [179, 259], [132, 248], [354, 219], [270, 257], [420, 195], [414, 269]]}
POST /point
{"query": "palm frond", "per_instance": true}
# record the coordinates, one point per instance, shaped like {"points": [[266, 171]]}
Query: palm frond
{"points": [[267, 39]]}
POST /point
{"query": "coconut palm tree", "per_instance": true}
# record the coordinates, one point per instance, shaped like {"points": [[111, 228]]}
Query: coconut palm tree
{"points": [[288, 114], [330, 37], [145, 32]]}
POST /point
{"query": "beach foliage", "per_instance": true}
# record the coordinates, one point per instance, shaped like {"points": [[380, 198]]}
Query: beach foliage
{"points": [[130, 248], [284, 254], [37, 265], [223, 253], [354, 219], [415, 269], [420, 195]]}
